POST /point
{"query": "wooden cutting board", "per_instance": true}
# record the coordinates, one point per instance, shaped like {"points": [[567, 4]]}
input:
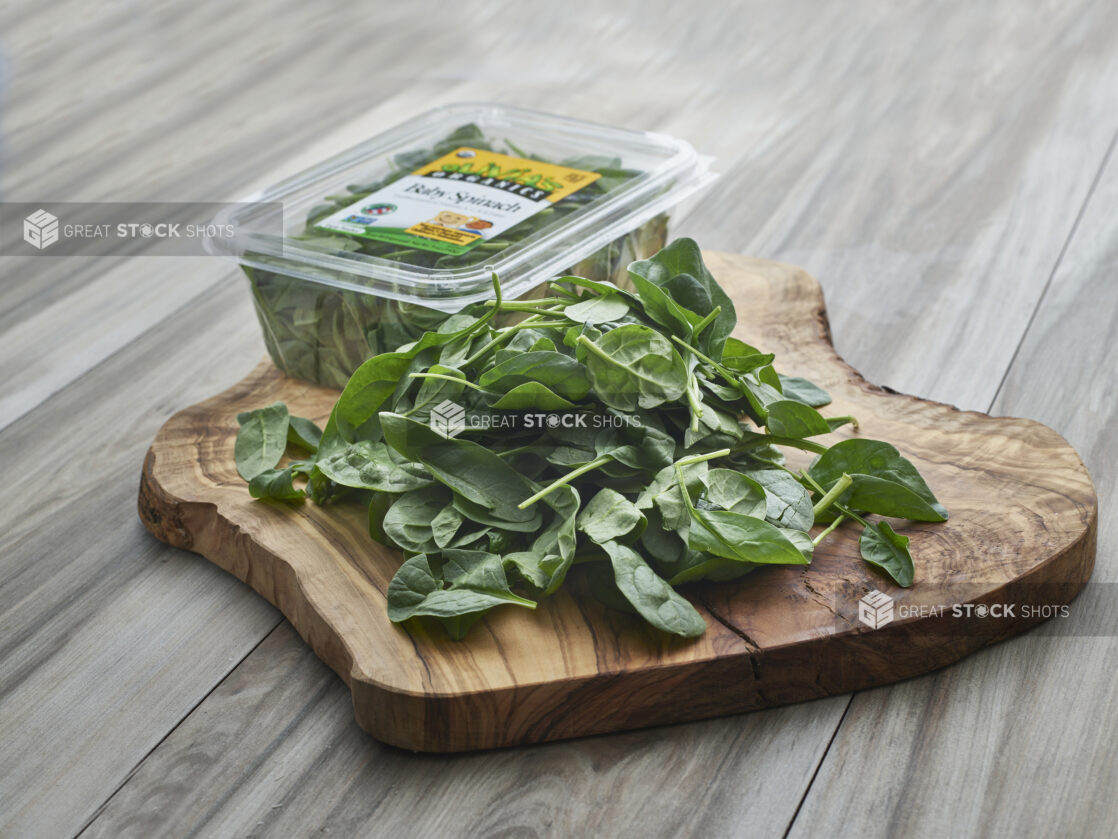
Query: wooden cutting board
{"points": [[1021, 531]]}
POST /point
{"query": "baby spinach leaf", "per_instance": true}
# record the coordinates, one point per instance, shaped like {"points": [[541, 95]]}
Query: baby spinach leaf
{"points": [[697, 566], [471, 470], [656, 601], [444, 526], [882, 546], [683, 257], [734, 536], [557, 541], [743, 358], [884, 481], [608, 516], [665, 493], [433, 391], [261, 440], [634, 367], [303, 433], [600, 580], [483, 515], [736, 492], [415, 590], [408, 520], [559, 372], [789, 503], [802, 390], [527, 565], [788, 418], [888, 498], [662, 308], [531, 396], [275, 484], [370, 386], [598, 309], [365, 465]]}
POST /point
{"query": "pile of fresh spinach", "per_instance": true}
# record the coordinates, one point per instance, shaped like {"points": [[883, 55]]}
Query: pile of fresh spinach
{"points": [[673, 475], [321, 333]]}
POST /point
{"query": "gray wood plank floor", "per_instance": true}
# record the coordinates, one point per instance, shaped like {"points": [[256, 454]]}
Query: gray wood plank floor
{"points": [[946, 170]]}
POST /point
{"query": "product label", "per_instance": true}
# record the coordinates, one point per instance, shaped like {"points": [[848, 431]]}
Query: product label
{"points": [[455, 203]]}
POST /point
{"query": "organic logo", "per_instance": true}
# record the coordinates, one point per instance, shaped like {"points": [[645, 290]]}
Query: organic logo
{"points": [[40, 229], [875, 610], [448, 419]]}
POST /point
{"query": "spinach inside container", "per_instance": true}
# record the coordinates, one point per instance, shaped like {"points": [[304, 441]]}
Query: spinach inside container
{"points": [[322, 333]]}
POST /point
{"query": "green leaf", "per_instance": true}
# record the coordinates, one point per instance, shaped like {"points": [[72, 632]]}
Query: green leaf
{"points": [[742, 358], [365, 465], [789, 503], [483, 515], [884, 482], [598, 309], [408, 520], [656, 601], [664, 492], [559, 372], [275, 484], [609, 516], [734, 536], [634, 367], [365, 394], [696, 566], [434, 391], [303, 433], [261, 440], [532, 396], [683, 257], [736, 492], [444, 526], [882, 546], [802, 390], [527, 565], [787, 418], [603, 586], [477, 584], [471, 470], [557, 541]]}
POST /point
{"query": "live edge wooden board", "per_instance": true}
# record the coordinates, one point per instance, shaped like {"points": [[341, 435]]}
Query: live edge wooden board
{"points": [[1021, 531]]}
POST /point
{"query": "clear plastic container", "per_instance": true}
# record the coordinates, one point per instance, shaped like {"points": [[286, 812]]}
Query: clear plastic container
{"points": [[384, 241]]}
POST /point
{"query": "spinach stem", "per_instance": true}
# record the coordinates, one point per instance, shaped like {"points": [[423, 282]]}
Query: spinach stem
{"points": [[527, 323], [446, 378], [688, 461], [594, 348], [831, 496], [601, 460], [525, 305], [804, 477], [791, 442], [693, 402], [720, 369], [848, 418], [829, 529], [699, 458], [556, 287], [705, 322]]}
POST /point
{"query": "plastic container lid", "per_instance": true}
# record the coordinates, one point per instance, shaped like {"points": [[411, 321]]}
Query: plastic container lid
{"points": [[669, 170]]}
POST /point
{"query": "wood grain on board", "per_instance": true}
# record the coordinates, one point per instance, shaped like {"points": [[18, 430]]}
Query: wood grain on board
{"points": [[572, 667]]}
